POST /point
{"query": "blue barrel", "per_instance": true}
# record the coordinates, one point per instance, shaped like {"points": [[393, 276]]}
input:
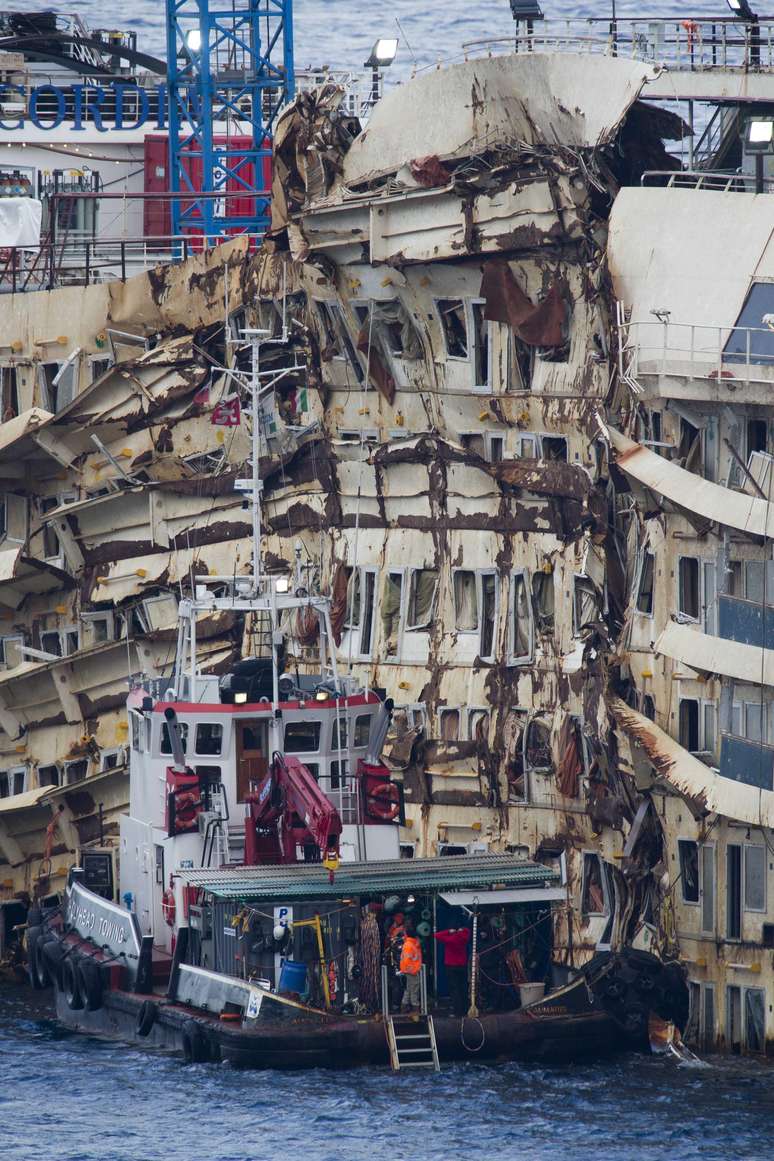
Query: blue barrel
{"points": [[292, 977]]}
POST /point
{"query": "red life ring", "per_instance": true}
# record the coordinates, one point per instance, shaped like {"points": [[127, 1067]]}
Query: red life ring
{"points": [[383, 801], [169, 907], [185, 808]]}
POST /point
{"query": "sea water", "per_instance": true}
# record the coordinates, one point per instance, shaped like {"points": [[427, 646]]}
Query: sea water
{"points": [[65, 1097]]}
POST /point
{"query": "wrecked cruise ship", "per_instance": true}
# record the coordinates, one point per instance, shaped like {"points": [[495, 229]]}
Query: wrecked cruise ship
{"points": [[524, 385]]}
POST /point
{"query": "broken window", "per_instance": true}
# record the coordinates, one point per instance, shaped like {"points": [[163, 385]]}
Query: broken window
{"points": [[537, 745], [50, 539], [593, 891], [474, 442], [359, 615], [392, 599], [754, 878], [449, 725], [71, 640], [586, 606], [478, 725], [99, 366], [688, 853], [488, 614], [554, 447], [689, 449], [209, 738], [482, 355], [395, 329], [49, 775], [451, 312], [645, 588], [688, 587], [302, 737], [465, 600], [757, 435], [649, 706], [689, 724], [51, 642], [75, 771], [543, 600], [423, 586], [9, 394], [336, 341], [755, 1019], [521, 624]]}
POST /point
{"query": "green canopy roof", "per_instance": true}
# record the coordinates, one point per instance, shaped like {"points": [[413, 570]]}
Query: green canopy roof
{"points": [[425, 876]]}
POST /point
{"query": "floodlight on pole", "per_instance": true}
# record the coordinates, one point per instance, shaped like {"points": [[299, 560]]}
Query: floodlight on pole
{"points": [[742, 9], [759, 141], [382, 55], [193, 40]]}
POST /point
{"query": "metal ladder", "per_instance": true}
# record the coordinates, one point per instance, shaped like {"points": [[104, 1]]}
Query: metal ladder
{"points": [[412, 1043], [411, 1040]]}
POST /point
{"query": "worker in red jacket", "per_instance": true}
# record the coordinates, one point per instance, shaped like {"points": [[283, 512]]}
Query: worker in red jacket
{"points": [[455, 961]]}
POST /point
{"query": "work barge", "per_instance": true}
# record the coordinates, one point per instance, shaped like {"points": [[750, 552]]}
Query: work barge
{"points": [[520, 436]]}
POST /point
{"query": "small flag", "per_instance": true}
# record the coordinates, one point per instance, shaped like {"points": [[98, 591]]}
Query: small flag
{"points": [[227, 413]]}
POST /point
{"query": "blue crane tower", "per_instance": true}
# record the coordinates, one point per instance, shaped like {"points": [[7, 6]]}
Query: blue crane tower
{"points": [[229, 72]]}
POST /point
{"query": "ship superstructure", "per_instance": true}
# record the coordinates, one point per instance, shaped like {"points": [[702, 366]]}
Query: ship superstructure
{"points": [[489, 464]]}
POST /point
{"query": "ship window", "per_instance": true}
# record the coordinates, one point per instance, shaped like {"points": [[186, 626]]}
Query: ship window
{"points": [[359, 615], [554, 448], [649, 707], [339, 774], [422, 589], [10, 394], [395, 329], [689, 724], [13, 782], [392, 598], [537, 745], [338, 344], [758, 305], [474, 442], [51, 642], [454, 325], [465, 600], [645, 589], [521, 628], [48, 775], [209, 738], [302, 737], [754, 1019], [688, 587], [339, 733], [449, 723], [362, 731], [586, 607], [707, 871], [166, 741], [478, 725], [754, 878], [110, 759], [688, 853], [593, 891], [482, 360], [543, 600], [75, 771], [527, 447], [488, 614]]}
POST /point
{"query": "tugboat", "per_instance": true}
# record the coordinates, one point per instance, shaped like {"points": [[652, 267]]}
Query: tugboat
{"points": [[263, 897]]}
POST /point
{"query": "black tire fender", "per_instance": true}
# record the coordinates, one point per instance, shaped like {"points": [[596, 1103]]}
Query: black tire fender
{"points": [[53, 953], [89, 977], [146, 1017], [39, 965], [31, 942], [195, 1046], [71, 983]]}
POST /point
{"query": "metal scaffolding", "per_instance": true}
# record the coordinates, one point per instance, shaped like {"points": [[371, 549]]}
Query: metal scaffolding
{"points": [[229, 70]]}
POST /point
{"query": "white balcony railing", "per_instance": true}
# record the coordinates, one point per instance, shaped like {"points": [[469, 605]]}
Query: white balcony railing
{"points": [[687, 44], [695, 352]]}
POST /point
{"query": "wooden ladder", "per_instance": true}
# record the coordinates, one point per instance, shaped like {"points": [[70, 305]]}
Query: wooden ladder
{"points": [[412, 1043]]}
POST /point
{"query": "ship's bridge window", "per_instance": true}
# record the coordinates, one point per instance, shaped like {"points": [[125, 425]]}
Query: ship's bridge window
{"points": [[362, 731], [752, 332], [209, 738], [451, 312], [166, 741], [302, 737], [339, 733]]}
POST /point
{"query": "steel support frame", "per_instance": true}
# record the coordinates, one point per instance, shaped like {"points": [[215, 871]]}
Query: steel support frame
{"points": [[244, 61]]}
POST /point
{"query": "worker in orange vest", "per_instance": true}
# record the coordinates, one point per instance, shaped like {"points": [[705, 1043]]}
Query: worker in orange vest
{"points": [[411, 967]]}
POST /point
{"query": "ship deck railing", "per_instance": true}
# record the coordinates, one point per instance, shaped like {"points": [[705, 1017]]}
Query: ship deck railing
{"points": [[683, 44], [719, 355], [88, 261], [706, 179]]}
